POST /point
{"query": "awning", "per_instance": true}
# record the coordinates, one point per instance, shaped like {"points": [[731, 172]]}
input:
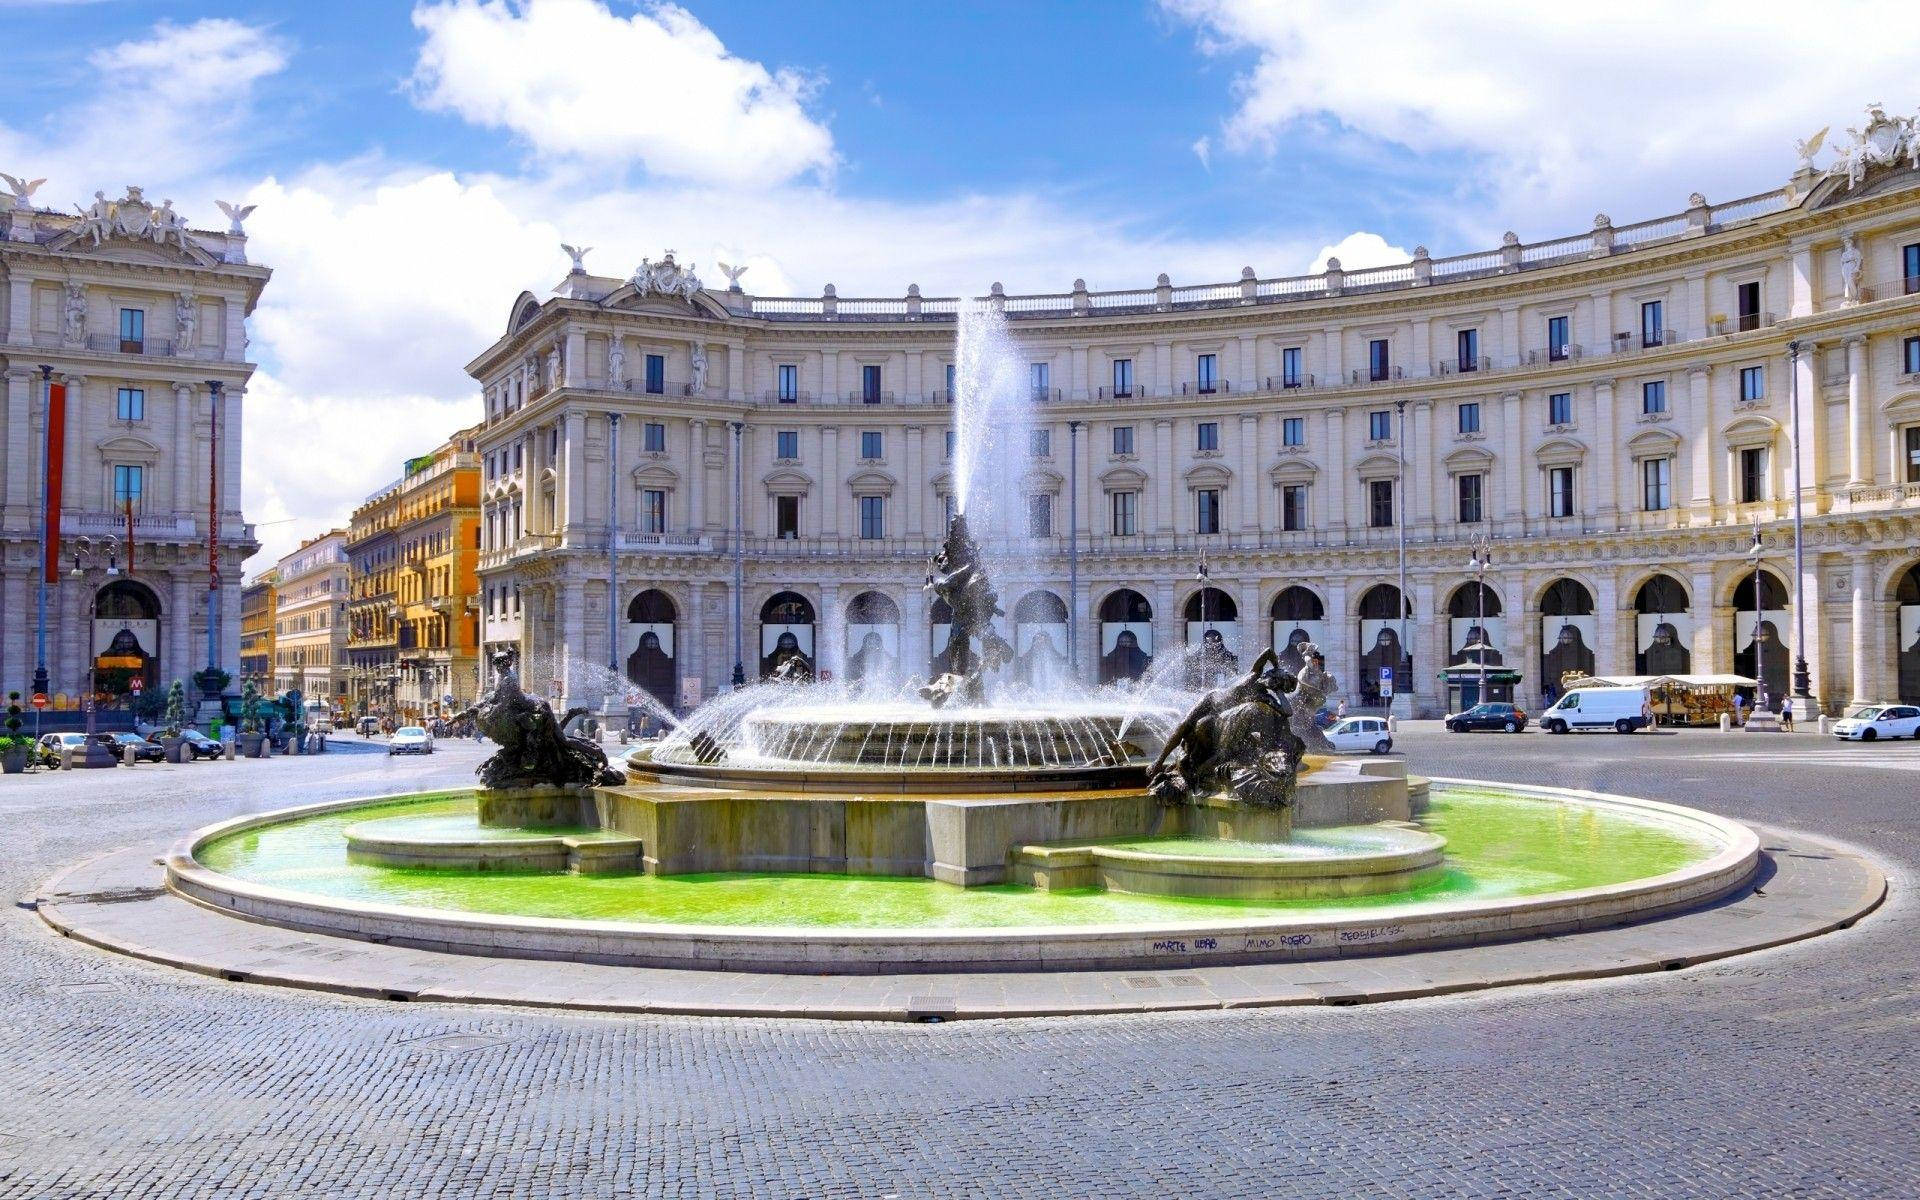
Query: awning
{"points": [[1658, 681]]}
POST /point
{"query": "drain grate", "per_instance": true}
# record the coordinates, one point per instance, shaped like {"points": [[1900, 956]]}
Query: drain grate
{"points": [[85, 987], [461, 1043], [1142, 981], [1185, 981]]}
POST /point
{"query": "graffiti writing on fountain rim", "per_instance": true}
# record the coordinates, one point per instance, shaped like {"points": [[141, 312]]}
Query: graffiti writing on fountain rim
{"points": [[534, 749]]}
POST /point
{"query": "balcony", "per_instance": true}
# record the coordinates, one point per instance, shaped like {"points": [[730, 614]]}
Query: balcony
{"points": [[157, 527]]}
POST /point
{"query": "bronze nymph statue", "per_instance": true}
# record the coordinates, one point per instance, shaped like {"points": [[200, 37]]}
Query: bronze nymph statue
{"points": [[1236, 742], [535, 750]]}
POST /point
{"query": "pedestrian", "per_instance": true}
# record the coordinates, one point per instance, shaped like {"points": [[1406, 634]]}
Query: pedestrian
{"points": [[1786, 715], [1739, 709], [1340, 713]]}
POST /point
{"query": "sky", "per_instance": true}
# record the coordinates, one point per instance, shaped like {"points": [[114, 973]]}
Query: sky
{"points": [[417, 164]]}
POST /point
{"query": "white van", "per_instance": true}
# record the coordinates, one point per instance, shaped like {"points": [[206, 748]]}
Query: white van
{"points": [[1621, 709]]}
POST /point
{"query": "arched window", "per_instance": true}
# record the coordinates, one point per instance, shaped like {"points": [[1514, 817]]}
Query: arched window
{"points": [[1568, 634], [1383, 654], [1126, 636], [1664, 633]]}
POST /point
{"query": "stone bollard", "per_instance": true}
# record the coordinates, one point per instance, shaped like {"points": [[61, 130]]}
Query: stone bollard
{"points": [[1823, 725], [128, 756], [1726, 722], [227, 745], [1393, 725]]}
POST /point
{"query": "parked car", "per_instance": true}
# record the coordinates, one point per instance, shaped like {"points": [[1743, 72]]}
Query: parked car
{"points": [[143, 750], [198, 745], [1503, 717], [410, 739], [59, 745], [367, 726], [1621, 709], [1876, 721], [1361, 734]]}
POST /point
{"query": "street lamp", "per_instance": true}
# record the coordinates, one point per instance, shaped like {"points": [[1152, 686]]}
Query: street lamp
{"points": [[739, 563], [1759, 648], [1482, 559], [1400, 527], [92, 552], [613, 545], [41, 683], [1802, 696], [1073, 547]]}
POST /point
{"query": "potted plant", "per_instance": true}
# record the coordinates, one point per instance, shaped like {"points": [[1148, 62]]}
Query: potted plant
{"points": [[173, 743], [251, 737], [213, 682], [14, 745]]}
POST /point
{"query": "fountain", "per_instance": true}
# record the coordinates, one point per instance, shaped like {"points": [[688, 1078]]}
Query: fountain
{"points": [[1064, 805]]}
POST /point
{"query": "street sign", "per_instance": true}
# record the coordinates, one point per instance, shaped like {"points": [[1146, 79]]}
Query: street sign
{"points": [[447, 699], [1386, 682], [138, 685], [39, 699]]}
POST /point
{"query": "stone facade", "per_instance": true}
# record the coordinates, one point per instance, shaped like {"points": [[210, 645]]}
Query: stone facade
{"points": [[1613, 412], [310, 621], [139, 317], [259, 608]]}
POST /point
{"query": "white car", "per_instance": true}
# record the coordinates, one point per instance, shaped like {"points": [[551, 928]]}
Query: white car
{"points": [[410, 739], [1877, 721], [1367, 734]]}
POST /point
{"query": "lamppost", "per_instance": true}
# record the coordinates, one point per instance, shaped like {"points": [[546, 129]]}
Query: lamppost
{"points": [[1400, 527], [1759, 648], [41, 683], [1482, 559], [739, 563], [213, 530], [1802, 695], [613, 544], [1203, 575], [92, 551], [1073, 547]]}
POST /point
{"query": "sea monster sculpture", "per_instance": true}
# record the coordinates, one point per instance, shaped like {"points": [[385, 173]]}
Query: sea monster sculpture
{"points": [[1235, 742], [957, 577], [534, 752]]}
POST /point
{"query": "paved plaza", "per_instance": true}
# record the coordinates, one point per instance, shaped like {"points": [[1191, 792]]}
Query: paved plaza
{"points": [[1787, 1072]]}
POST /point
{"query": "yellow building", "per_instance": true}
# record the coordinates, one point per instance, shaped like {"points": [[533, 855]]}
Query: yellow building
{"points": [[413, 609], [258, 603]]}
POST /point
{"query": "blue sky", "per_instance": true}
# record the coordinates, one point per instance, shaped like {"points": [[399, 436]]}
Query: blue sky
{"points": [[417, 163]]}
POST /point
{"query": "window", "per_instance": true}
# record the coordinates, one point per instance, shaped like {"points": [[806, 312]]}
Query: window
{"points": [[519, 455], [1125, 507], [1122, 377], [873, 517], [1470, 488], [1910, 266], [1206, 510], [872, 444], [1469, 416], [1913, 453], [1653, 396], [1753, 383], [870, 383], [1377, 359], [1653, 326], [1207, 436], [1753, 475], [653, 511], [1556, 337], [1379, 425], [1040, 443], [1040, 515], [1293, 431], [1293, 506], [1380, 503], [1040, 379], [950, 443], [1206, 375], [1656, 480], [1747, 300], [128, 482], [1290, 367], [1123, 435], [131, 404], [133, 330], [1468, 344], [656, 382], [786, 443], [1560, 491], [951, 372], [656, 438], [1910, 356], [947, 509], [787, 383], [786, 517], [1560, 408]]}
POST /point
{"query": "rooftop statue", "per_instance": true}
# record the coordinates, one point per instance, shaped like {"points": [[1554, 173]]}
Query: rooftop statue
{"points": [[957, 577], [534, 752], [1236, 742]]}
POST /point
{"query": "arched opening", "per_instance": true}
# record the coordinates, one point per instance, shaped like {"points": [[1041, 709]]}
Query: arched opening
{"points": [[652, 650], [1759, 649], [873, 640], [1476, 629], [1906, 629], [126, 638], [1040, 639], [1663, 628], [1386, 669], [1126, 636], [786, 634], [1213, 638], [1568, 633], [1299, 619]]}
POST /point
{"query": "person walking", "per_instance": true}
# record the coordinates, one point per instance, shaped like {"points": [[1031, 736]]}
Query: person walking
{"points": [[1739, 709], [1786, 715]]}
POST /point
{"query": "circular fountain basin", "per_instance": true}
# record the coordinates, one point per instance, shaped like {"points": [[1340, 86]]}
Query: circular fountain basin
{"points": [[918, 737]]}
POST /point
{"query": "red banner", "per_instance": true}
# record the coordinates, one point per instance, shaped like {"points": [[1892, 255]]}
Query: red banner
{"points": [[56, 464]]}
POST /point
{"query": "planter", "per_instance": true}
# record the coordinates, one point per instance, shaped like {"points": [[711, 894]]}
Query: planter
{"points": [[253, 745], [174, 748], [13, 760]]}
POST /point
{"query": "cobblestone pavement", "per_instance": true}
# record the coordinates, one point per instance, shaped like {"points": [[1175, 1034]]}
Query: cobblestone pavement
{"points": [[1784, 1073]]}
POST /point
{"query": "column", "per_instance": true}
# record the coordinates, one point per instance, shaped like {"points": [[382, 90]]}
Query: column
{"points": [[1167, 626], [1162, 368], [1712, 622], [79, 410], [916, 639], [573, 643], [1420, 351], [1414, 431], [696, 477], [1609, 657], [830, 375], [1256, 629], [913, 485], [1815, 650], [1860, 571], [1336, 478], [21, 462], [694, 652], [830, 636], [1341, 661], [1425, 631], [183, 448], [1703, 429], [830, 482], [1513, 473], [230, 429], [1606, 465], [1247, 482], [1808, 471], [1249, 368], [1859, 451], [737, 381], [1163, 475], [573, 452], [178, 661], [575, 367], [1800, 283]]}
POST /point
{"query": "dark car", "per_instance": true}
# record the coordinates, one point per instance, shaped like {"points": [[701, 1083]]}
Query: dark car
{"points": [[198, 745], [1503, 717], [143, 750]]}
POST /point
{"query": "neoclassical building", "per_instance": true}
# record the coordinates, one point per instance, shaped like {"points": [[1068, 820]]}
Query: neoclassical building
{"points": [[310, 621], [1607, 416], [139, 323]]}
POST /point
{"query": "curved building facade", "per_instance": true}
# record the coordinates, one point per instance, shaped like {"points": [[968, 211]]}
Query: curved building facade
{"points": [[1601, 422]]}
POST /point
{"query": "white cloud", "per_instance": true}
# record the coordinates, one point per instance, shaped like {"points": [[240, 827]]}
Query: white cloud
{"points": [[1358, 251], [1203, 150], [1533, 116], [657, 88]]}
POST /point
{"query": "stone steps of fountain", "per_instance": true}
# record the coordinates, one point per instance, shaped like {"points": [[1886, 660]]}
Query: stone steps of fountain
{"points": [[1338, 863], [409, 842]]}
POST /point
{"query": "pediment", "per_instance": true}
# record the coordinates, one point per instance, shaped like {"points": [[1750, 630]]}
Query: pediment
{"points": [[1751, 429], [121, 248], [1833, 190], [1040, 480], [525, 308], [1123, 479], [126, 446], [1294, 470], [1376, 466], [1560, 450], [872, 483], [788, 482], [1468, 458], [628, 299], [1208, 475], [655, 474], [1901, 402], [1653, 441]]}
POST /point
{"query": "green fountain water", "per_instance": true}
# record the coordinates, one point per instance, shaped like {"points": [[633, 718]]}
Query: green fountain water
{"points": [[1499, 845]]}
